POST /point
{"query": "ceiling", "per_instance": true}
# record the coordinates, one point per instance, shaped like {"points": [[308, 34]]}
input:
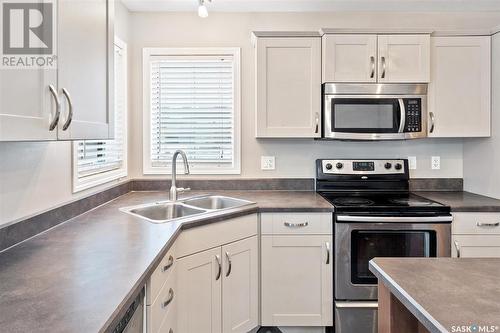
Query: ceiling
{"points": [[315, 5]]}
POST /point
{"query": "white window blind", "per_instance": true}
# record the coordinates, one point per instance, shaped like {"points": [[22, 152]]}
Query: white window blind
{"points": [[193, 109], [99, 161]]}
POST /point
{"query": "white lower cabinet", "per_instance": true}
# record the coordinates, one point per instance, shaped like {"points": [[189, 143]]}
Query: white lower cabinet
{"points": [[297, 280], [476, 235]]}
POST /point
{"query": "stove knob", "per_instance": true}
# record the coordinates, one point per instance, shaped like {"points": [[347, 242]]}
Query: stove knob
{"points": [[388, 165], [398, 166], [339, 165], [328, 166]]}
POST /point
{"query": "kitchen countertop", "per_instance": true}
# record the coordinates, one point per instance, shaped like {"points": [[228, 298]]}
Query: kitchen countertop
{"points": [[443, 293], [464, 201], [81, 275]]}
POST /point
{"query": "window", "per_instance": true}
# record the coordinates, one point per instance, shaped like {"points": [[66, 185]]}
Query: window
{"points": [[99, 161], [192, 103]]}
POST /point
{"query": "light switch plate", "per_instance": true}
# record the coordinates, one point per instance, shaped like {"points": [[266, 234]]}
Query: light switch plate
{"points": [[267, 162], [412, 162], [436, 162]]}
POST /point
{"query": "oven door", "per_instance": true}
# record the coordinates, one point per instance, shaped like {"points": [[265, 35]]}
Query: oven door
{"points": [[368, 117], [358, 239]]}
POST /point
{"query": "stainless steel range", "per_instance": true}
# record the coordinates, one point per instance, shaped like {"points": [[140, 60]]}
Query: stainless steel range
{"points": [[375, 216]]}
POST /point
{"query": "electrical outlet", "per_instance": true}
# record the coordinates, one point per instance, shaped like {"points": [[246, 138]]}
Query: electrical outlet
{"points": [[436, 162], [412, 162], [267, 162]]}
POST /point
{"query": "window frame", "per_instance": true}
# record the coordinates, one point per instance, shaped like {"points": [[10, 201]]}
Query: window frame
{"points": [[80, 184], [148, 53]]}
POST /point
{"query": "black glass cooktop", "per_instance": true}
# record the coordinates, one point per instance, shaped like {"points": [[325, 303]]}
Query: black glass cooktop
{"points": [[383, 202]]}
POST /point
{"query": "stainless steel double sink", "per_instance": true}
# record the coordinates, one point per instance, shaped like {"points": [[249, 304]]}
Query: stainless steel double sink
{"points": [[168, 211]]}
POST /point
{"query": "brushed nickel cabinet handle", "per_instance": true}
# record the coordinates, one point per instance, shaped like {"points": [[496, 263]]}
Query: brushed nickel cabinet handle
{"points": [[219, 272], [70, 109], [327, 245], [228, 256], [169, 299], [372, 64], [316, 129], [482, 224], [384, 67], [55, 118], [296, 225], [457, 247], [431, 116], [169, 264]]}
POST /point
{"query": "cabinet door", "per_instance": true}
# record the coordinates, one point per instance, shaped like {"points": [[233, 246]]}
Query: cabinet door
{"points": [[288, 87], [297, 281], [240, 303], [404, 58], [349, 58], [199, 297], [85, 68], [476, 246], [460, 88]]}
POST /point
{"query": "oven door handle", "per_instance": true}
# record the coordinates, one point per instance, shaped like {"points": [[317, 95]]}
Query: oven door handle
{"points": [[356, 305], [404, 219], [402, 111]]}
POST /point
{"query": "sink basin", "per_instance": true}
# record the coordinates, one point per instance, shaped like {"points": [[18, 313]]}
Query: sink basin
{"points": [[215, 202], [162, 212]]}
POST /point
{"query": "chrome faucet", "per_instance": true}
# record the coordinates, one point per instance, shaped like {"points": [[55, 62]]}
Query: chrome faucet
{"points": [[174, 189]]}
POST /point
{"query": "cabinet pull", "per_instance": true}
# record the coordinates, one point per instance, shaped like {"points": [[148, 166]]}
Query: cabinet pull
{"points": [[219, 272], [55, 119], [457, 247], [327, 245], [228, 256], [70, 109], [372, 64], [482, 224], [431, 115], [384, 66], [316, 129], [296, 225], [169, 299], [169, 264]]}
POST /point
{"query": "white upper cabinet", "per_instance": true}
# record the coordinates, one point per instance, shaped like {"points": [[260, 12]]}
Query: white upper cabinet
{"points": [[349, 58], [460, 88], [35, 103], [288, 74], [85, 69], [404, 58]]}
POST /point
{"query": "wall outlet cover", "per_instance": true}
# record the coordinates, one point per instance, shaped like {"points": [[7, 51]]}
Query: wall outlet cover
{"points": [[267, 162], [412, 162], [436, 162]]}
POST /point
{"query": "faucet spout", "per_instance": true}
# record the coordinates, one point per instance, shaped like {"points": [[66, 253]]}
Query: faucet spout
{"points": [[173, 188]]}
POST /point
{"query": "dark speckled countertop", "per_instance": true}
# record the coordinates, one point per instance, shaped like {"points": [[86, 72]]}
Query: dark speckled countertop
{"points": [[464, 201], [443, 293], [81, 275]]}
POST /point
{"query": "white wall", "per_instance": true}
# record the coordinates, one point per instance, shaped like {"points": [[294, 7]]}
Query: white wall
{"points": [[37, 176], [482, 156], [294, 158]]}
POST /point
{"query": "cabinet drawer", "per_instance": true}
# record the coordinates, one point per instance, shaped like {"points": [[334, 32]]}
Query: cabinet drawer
{"points": [[163, 304], [476, 223], [160, 275], [476, 246], [296, 223], [169, 325], [215, 234]]}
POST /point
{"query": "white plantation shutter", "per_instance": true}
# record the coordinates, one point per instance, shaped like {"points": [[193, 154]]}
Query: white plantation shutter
{"points": [[193, 109], [99, 161]]}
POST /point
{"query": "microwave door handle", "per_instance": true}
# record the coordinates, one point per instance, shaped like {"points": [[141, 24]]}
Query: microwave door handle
{"points": [[402, 120]]}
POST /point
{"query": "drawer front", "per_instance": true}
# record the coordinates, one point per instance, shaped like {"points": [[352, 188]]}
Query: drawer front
{"points": [[476, 246], [169, 325], [215, 234], [160, 275], [296, 223], [165, 303], [476, 223]]}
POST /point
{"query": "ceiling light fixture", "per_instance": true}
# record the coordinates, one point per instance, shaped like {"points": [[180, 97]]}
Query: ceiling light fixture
{"points": [[202, 9]]}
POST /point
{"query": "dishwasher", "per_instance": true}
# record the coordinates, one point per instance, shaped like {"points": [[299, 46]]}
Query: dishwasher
{"points": [[133, 319]]}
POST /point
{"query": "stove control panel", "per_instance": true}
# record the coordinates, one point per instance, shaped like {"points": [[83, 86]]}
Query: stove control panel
{"points": [[356, 167]]}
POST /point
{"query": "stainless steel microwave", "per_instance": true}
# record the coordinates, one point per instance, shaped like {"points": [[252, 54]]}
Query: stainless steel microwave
{"points": [[374, 111]]}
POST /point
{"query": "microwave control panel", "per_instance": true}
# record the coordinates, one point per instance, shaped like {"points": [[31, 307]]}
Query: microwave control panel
{"points": [[413, 108]]}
